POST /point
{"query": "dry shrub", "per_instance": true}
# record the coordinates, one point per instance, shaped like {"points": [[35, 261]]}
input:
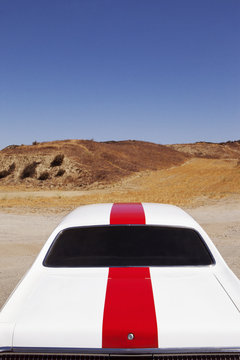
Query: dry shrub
{"points": [[35, 143], [58, 160], [29, 170], [12, 167], [5, 173], [44, 176], [60, 172]]}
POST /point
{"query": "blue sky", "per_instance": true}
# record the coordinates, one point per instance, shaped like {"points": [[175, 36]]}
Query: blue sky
{"points": [[166, 71]]}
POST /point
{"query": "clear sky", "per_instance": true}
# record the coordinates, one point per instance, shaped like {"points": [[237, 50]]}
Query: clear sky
{"points": [[166, 71]]}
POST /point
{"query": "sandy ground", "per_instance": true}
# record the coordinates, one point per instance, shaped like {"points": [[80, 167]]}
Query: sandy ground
{"points": [[22, 236]]}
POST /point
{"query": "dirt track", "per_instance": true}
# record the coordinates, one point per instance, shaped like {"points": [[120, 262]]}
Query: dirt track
{"points": [[22, 236]]}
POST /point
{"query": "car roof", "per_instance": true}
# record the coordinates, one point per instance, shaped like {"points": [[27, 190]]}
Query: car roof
{"points": [[155, 214]]}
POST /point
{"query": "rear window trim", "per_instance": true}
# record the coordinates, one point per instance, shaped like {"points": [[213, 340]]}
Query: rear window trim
{"points": [[123, 266]]}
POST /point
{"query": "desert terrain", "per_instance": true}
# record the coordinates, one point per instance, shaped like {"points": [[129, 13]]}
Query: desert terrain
{"points": [[40, 183]]}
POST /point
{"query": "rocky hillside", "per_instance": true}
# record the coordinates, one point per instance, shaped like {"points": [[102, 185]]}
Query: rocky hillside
{"points": [[76, 164], [227, 150], [73, 164]]}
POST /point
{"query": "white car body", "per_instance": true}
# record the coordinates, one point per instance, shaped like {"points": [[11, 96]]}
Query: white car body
{"points": [[61, 309]]}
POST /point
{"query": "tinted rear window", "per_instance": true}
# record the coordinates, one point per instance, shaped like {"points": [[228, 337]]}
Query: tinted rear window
{"points": [[127, 245]]}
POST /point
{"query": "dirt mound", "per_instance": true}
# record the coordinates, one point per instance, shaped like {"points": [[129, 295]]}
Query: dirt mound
{"points": [[81, 163], [227, 150]]}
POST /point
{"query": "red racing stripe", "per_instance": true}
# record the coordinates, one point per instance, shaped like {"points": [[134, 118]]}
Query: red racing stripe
{"points": [[129, 304], [131, 213]]}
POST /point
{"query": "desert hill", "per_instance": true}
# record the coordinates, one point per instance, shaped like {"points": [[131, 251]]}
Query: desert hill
{"points": [[74, 172], [208, 150], [73, 164]]}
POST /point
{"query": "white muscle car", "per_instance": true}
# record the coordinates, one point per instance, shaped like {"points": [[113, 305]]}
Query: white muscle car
{"points": [[125, 281]]}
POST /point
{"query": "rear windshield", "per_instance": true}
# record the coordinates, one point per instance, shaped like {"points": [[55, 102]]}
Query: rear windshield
{"points": [[127, 245]]}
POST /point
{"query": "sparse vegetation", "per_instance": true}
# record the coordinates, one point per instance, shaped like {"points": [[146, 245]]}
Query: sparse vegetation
{"points": [[89, 164], [197, 181], [58, 160], [60, 172], [12, 167], [44, 176], [5, 173], [35, 143], [29, 170]]}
